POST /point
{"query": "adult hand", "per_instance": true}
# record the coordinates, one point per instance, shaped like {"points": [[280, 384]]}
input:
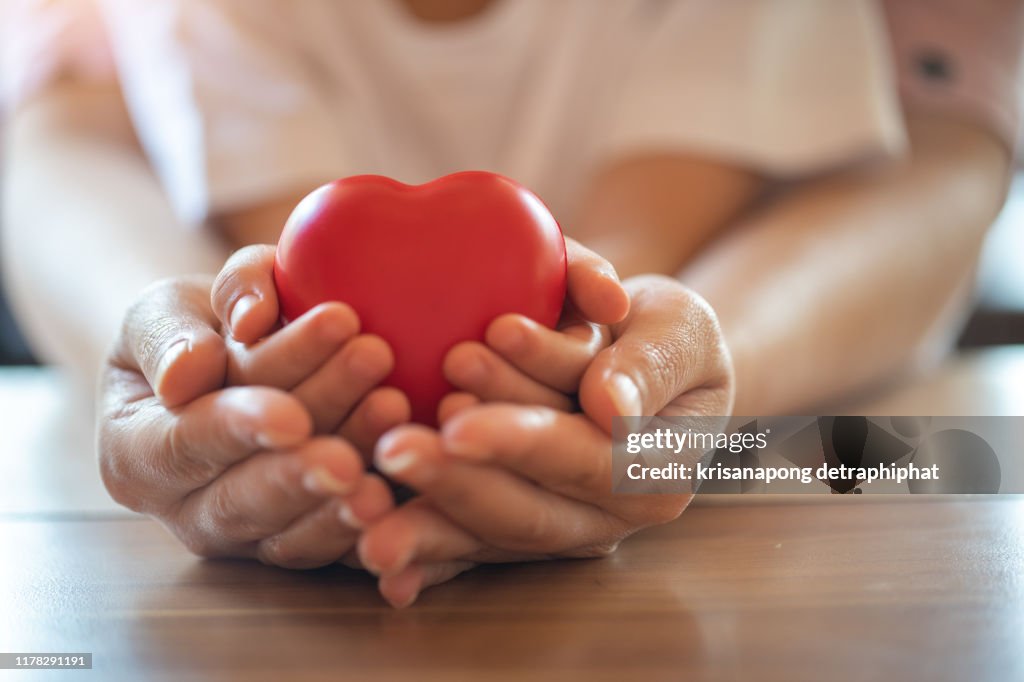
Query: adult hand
{"points": [[504, 482], [230, 471]]}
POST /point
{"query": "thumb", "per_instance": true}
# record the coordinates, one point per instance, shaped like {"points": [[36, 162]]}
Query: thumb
{"points": [[593, 287], [244, 296], [170, 334], [667, 357]]}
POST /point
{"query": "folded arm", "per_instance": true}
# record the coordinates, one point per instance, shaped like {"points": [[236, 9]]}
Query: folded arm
{"points": [[835, 283], [844, 281]]}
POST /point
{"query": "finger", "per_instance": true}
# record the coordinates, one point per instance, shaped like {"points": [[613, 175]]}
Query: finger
{"points": [[668, 357], [564, 453], [381, 410], [151, 458], [553, 358], [315, 539], [401, 590], [334, 390], [371, 499], [293, 353], [453, 403], [244, 297], [474, 368], [414, 533], [263, 494], [170, 335], [502, 509], [593, 286], [222, 428]]}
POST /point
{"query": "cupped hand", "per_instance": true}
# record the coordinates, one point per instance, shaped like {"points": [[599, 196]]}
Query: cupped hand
{"points": [[230, 471], [504, 482]]}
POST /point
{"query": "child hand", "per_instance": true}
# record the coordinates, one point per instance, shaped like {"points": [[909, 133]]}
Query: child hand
{"points": [[506, 482], [230, 471], [320, 358], [524, 362]]}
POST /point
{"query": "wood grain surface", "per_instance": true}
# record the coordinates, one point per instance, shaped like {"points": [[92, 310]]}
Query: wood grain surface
{"points": [[832, 590], [813, 588]]}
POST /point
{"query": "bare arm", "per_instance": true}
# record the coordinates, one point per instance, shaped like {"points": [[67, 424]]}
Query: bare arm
{"points": [[86, 225], [655, 213], [844, 281], [832, 286]]}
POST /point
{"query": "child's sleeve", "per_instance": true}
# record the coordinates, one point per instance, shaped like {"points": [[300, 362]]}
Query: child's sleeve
{"points": [[225, 100], [785, 87]]}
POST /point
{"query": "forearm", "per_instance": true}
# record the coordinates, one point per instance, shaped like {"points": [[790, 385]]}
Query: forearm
{"points": [[636, 215], [847, 280], [86, 224]]}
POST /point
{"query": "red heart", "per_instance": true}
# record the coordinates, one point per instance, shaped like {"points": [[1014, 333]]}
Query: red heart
{"points": [[424, 266]]}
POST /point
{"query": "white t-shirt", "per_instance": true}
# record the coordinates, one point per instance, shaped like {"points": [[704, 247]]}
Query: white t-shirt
{"points": [[239, 100]]}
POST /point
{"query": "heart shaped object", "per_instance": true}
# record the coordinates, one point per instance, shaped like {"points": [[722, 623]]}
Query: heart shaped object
{"points": [[424, 266]]}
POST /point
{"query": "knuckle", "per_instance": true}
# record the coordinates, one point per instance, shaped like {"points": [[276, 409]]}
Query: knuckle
{"points": [[660, 368], [119, 469], [138, 311], [225, 520], [456, 497], [161, 288], [595, 476], [116, 482], [689, 348], [150, 323], [241, 264], [705, 319], [181, 462], [222, 292], [284, 482]]}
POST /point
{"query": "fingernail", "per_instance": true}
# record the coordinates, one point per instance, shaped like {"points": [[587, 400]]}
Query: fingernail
{"points": [[459, 445], [348, 517], [625, 395], [272, 439], [397, 463], [241, 309], [320, 481], [170, 356]]}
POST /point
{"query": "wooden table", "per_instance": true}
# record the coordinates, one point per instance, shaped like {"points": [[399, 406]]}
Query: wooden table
{"points": [[830, 587]]}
